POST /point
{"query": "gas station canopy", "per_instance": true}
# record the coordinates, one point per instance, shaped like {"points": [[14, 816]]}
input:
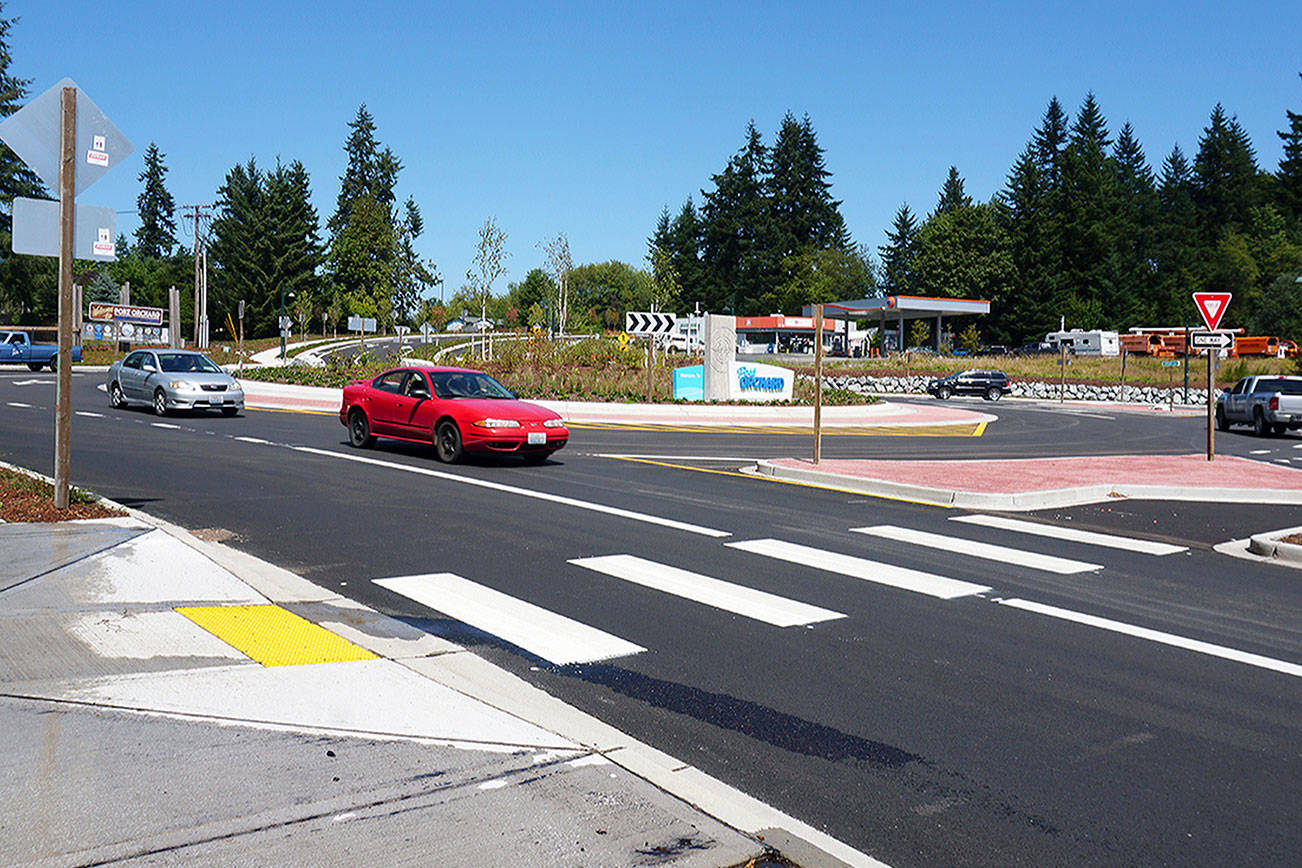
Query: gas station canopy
{"points": [[895, 309]]}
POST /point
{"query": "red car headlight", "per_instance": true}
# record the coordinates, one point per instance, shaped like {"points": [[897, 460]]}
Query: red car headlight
{"points": [[554, 423], [497, 423]]}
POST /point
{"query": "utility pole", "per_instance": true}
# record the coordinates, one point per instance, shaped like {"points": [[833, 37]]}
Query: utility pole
{"points": [[199, 215]]}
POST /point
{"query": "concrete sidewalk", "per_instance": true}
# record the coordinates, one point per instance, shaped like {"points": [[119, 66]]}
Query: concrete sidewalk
{"points": [[169, 699], [1042, 483]]}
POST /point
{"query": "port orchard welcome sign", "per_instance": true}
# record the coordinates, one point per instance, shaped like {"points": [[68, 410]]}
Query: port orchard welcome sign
{"points": [[747, 381]]}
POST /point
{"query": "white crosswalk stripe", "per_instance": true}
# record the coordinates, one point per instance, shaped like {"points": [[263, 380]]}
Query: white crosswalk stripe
{"points": [[739, 599], [1069, 534], [862, 568], [541, 632], [972, 548]]}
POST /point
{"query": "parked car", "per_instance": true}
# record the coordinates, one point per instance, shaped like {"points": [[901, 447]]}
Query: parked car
{"points": [[1035, 348], [458, 410], [991, 385], [1271, 405], [16, 348], [170, 380]]}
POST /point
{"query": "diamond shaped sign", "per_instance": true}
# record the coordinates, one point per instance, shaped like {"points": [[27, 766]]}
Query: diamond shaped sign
{"points": [[1212, 306], [33, 134]]}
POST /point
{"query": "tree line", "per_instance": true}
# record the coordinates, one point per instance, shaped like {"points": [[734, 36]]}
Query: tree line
{"points": [[1083, 231]]}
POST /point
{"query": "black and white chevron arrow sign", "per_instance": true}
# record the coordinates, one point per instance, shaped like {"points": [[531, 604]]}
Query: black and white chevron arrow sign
{"points": [[640, 323]]}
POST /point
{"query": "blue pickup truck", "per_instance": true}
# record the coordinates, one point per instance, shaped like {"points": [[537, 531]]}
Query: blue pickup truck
{"points": [[16, 348]]}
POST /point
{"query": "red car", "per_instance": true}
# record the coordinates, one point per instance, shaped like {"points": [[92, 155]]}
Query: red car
{"points": [[456, 409]]}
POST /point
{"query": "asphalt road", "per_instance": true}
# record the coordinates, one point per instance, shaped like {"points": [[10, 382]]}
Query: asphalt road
{"points": [[934, 723]]}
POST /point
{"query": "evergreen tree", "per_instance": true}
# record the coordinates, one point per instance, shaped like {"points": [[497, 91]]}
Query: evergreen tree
{"points": [[156, 235], [952, 196], [735, 218], [265, 242], [1087, 237], [1175, 251], [1225, 176], [367, 278], [1289, 177], [802, 213], [1026, 311], [370, 171], [1135, 223], [897, 254], [1050, 142]]}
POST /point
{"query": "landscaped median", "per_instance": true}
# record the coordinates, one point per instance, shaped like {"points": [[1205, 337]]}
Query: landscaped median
{"points": [[317, 399]]}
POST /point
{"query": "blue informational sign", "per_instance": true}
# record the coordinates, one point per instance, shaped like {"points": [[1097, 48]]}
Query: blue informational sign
{"points": [[689, 383]]}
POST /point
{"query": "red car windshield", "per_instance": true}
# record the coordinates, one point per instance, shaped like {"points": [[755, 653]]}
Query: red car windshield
{"points": [[467, 384]]}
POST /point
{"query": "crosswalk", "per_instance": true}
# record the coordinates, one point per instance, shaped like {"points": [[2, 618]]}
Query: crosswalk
{"points": [[560, 640]]}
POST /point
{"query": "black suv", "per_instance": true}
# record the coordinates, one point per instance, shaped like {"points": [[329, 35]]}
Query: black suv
{"points": [[991, 385]]}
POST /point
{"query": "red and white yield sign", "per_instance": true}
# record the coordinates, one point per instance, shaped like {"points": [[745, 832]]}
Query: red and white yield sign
{"points": [[1212, 306]]}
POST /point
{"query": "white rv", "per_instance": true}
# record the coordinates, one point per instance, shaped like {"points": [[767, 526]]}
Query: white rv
{"points": [[1083, 343]]}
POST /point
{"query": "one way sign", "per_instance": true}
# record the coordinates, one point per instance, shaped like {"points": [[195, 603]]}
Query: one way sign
{"points": [[638, 323]]}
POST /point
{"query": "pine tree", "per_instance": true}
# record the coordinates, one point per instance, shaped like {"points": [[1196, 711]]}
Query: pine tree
{"points": [[735, 218], [1087, 205], [952, 196], [897, 254], [265, 241], [1289, 176], [1136, 228], [1175, 250], [370, 171], [802, 213], [156, 235], [1225, 176]]}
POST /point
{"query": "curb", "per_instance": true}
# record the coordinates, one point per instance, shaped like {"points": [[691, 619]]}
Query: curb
{"points": [[1269, 545], [1027, 501]]}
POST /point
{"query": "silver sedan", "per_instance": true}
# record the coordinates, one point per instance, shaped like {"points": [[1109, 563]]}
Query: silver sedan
{"points": [[173, 380]]}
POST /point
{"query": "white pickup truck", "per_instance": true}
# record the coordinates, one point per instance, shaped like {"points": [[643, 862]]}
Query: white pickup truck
{"points": [[1270, 404]]}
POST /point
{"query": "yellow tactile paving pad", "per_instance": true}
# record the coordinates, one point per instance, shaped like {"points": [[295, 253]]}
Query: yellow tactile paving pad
{"points": [[274, 636]]}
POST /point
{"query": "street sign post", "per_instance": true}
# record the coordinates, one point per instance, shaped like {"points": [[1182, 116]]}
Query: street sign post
{"points": [[1211, 305], [48, 134]]}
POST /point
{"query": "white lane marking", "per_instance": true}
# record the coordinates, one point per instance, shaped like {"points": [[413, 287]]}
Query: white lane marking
{"points": [[1201, 647], [738, 599], [861, 568], [89, 415], [1284, 460], [1258, 451], [20, 404], [974, 549], [1070, 534], [539, 631], [1297, 446], [33, 382], [165, 425], [523, 492], [257, 440]]}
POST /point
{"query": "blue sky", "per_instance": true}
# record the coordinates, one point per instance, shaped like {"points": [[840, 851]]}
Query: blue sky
{"points": [[588, 118]]}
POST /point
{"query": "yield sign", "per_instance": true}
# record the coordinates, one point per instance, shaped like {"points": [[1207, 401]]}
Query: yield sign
{"points": [[1212, 306]]}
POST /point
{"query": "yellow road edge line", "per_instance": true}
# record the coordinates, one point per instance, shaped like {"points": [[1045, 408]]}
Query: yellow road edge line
{"points": [[765, 478], [273, 635], [965, 429], [292, 410]]}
